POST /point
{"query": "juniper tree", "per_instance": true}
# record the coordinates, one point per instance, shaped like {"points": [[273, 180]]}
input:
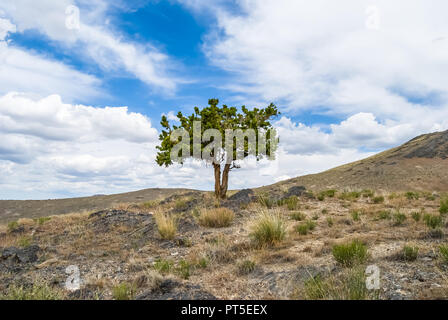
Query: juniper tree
{"points": [[220, 136]]}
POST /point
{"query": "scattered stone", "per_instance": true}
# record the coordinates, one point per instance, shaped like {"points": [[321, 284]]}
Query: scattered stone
{"points": [[18, 255]]}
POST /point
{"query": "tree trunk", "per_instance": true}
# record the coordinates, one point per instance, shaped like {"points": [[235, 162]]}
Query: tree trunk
{"points": [[225, 181], [217, 168]]}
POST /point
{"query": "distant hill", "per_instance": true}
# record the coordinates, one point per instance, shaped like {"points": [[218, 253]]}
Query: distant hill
{"points": [[420, 164], [14, 209]]}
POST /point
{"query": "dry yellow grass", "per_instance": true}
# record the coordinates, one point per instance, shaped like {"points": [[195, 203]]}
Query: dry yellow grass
{"points": [[166, 225], [216, 218]]}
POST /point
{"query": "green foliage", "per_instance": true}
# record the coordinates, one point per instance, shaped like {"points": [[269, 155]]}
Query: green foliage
{"points": [[24, 241], [443, 253], [324, 211], [219, 118], [378, 199], [410, 253], [181, 204], [13, 226], [416, 215], [398, 218], [410, 195], [443, 206], [40, 221], [350, 285], [183, 269], [266, 201], [150, 204], [268, 229], [350, 196], [384, 215], [356, 215], [327, 193], [330, 221], [305, 227], [163, 266], [292, 203], [38, 291], [123, 291], [203, 262], [245, 267], [367, 193], [433, 221], [428, 196], [298, 216], [350, 254]]}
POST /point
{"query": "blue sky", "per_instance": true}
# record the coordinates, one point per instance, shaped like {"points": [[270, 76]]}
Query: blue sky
{"points": [[350, 79]]}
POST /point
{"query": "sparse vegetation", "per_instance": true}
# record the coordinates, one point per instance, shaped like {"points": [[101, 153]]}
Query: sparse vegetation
{"points": [[36, 291], [330, 221], [292, 203], [163, 266], [123, 291], [304, 227], [378, 199], [13, 226], [166, 225], [416, 215], [246, 266], [356, 215], [398, 218], [351, 285], [410, 195], [298, 216], [443, 253], [367, 193], [350, 254], [384, 215], [350, 196], [265, 201], [216, 218], [24, 241], [184, 269], [443, 206], [433, 221], [268, 229], [410, 253], [40, 221]]}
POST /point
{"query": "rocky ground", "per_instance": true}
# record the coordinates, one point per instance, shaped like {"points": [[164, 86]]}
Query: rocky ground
{"points": [[120, 253]]}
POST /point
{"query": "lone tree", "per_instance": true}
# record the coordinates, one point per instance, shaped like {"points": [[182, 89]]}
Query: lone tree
{"points": [[204, 134]]}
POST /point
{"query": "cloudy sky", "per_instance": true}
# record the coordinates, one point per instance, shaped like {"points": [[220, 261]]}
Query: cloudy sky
{"points": [[83, 85]]}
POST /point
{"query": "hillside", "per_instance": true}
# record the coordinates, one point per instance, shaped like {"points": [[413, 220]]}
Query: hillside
{"points": [[421, 164], [15, 209]]}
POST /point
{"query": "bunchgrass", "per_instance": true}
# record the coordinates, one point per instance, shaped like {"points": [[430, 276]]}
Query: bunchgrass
{"points": [[166, 225], [350, 254], [268, 229], [216, 218]]}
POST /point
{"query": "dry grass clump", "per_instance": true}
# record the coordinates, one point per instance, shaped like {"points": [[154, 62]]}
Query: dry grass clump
{"points": [[268, 229], [166, 225], [350, 285], [38, 291], [216, 218]]}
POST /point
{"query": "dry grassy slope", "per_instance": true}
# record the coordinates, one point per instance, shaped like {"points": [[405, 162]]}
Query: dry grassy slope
{"points": [[14, 209], [420, 164]]}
